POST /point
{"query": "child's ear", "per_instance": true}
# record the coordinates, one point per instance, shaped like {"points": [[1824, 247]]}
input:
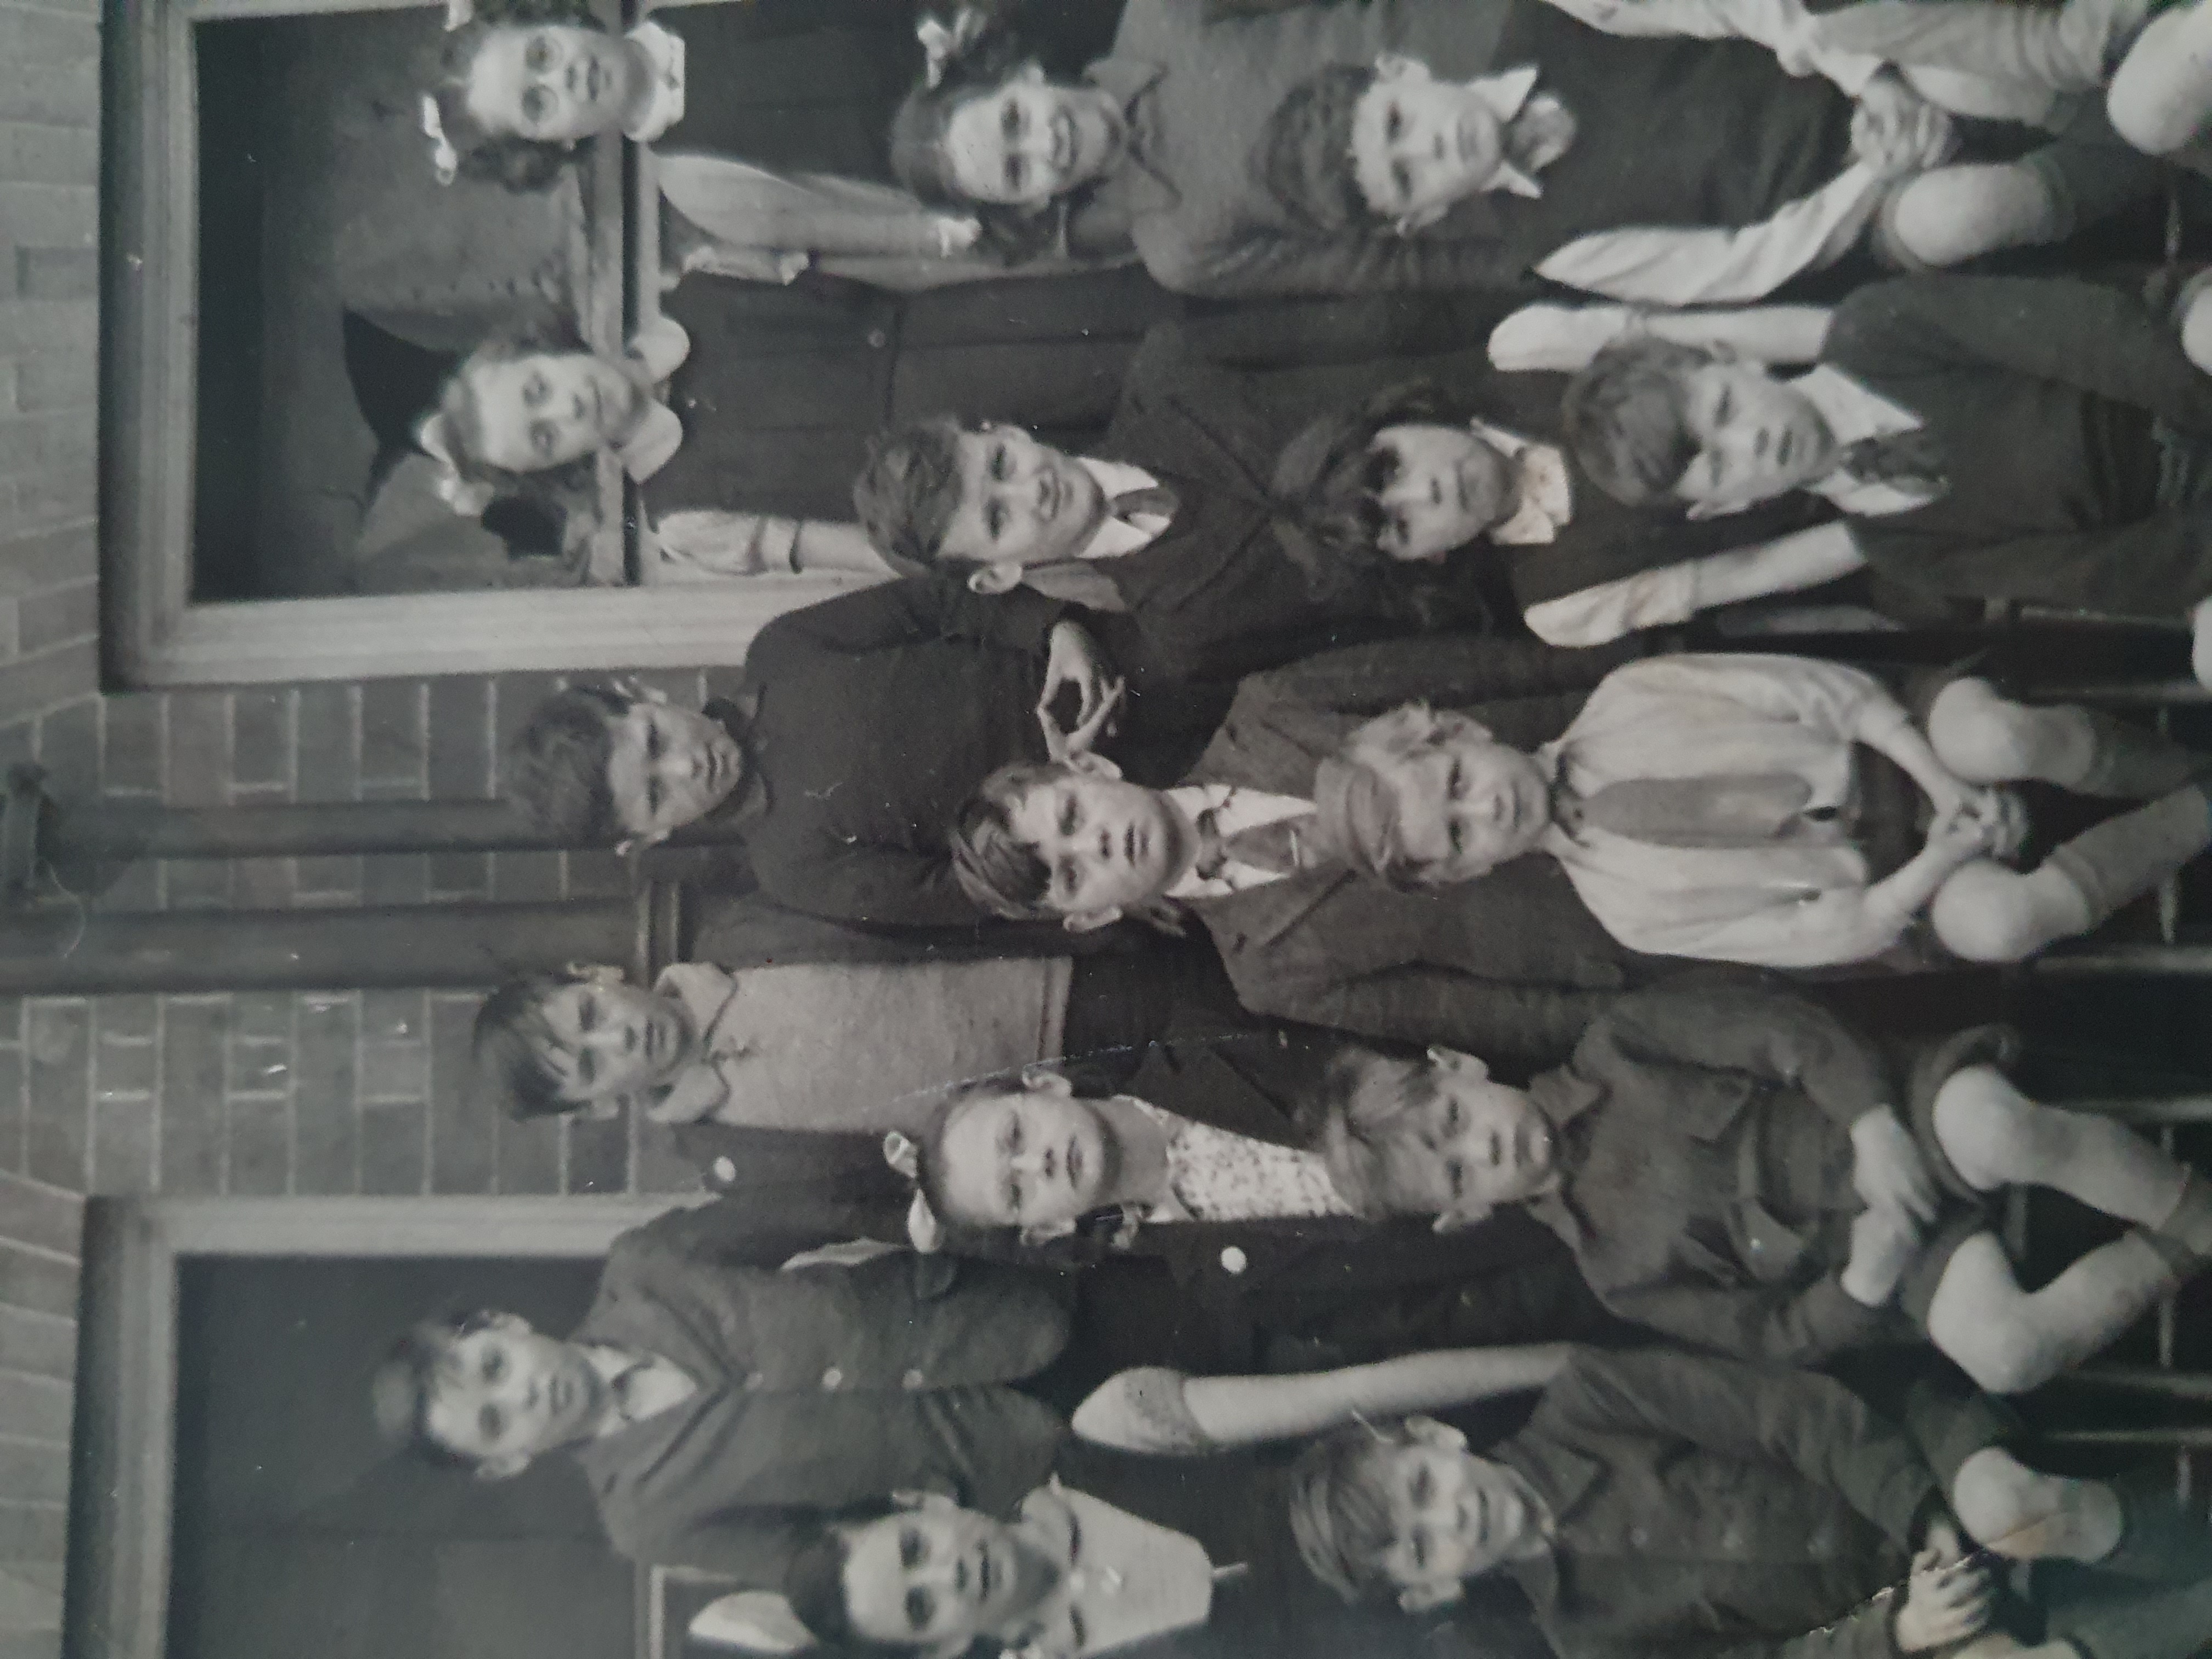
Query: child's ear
{"points": [[1045, 1232], [1397, 66], [500, 1469], [1091, 761], [1426, 1598], [1460, 1219], [1411, 224], [1042, 1078], [1430, 1432], [1032, 72], [1000, 578], [1451, 1060], [1698, 510], [631, 846], [1090, 922]]}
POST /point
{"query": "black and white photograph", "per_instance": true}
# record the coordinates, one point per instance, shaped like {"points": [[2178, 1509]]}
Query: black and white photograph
{"points": [[1047, 829]]}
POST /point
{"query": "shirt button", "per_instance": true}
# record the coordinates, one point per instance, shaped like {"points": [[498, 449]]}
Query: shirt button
{"points": [[878, 339], [1233, 1260], [913, 1379], [1640, 1538], [724, 1170], [833, 1378]]}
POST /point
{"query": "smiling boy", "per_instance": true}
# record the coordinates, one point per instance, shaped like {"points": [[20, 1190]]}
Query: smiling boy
{"points": [[1669, 1504], [1826, 1206]]}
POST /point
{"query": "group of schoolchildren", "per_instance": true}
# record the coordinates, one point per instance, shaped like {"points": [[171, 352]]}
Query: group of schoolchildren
{"points": [[1194, 836]]}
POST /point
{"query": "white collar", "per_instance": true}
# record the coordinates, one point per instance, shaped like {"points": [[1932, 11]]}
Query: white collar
{"points": [[1505, 94], [656, 351], [664, 54], [1115, 535], [1545, 495], [1852, 411], [1235, 809]]}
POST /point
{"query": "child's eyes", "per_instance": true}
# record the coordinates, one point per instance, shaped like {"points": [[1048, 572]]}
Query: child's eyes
{"points": [[1456, 782], [1010, 120], [1069, 818], [1420, 1548], [1016, 171], [910, 1550], [1723, 409], [994, 521], [653, 742], [1013, 1198], [587, 1068], [588, 1013], [1452, 1118], [1070, 879], [1394, 123], [1455, 1177], [1436, 492], [1425, 1488], [1401, 177], [1001, 464]]}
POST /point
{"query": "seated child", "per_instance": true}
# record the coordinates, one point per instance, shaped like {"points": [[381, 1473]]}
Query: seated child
{"points": [[1170, 521], [1792, 1218], [2037, 439], [1420, 478], [1546, 167], [1766, 810], [1664, 1504]]}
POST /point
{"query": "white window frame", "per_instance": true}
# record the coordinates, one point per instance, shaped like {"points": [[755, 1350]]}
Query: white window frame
{"points": [[155, 634]]}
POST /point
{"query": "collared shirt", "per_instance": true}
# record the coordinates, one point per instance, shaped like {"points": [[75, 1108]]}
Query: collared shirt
{"points": [[1853, 412], [1544, 494], [1508, 96], [663, 51], [1137, 183], [1117, 534], [1234, 809], [1795, 902]]}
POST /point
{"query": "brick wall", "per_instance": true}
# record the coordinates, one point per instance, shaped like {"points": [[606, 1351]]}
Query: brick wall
{"points": [[49, 219]]}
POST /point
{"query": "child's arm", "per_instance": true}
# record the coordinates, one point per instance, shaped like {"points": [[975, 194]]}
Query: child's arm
{"points": [[1563, 338], [1783, 26], [1773, 1325], [912, 612], [1676, 592]]}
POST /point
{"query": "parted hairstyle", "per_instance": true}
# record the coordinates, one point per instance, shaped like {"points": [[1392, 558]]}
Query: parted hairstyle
{"points": [[999, 871], [910, 488], [1306, 152], [564, 486], [985, 57], [1626, 418], [1357, 809], [403, 1385], [1357, 1113], [1339, 1508], [519, 164], [556, 769], [1329, 479], [814, 1582], [508, 1043]]}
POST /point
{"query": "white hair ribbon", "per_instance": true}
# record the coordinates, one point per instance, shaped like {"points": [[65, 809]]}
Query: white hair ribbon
{"points": [[942, 42], [443, 156]]}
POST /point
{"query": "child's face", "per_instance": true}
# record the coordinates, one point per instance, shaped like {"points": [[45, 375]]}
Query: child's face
{"points": [[1466, 804], [1453, 1516], [1470, 1144], [1029, 140], [504, 1394], [1419, 144], [1110, 846], [548, 409], [1757, 438], [669, 767], [552, 83], [938, 1575], [1443, 488], [1034, 1157], [605, 1040], [1021, 502]]}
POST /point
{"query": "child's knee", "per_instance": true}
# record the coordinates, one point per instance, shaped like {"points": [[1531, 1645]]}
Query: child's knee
{"points": [[1996, 1497], [2002, 1352], [1984, 1124], [1983, 737], [1986, 913], [1953, 214]]}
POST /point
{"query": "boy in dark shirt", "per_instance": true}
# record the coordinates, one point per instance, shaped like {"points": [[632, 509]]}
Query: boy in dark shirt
{"points": [[1731, 1166], [1659, 1503]]}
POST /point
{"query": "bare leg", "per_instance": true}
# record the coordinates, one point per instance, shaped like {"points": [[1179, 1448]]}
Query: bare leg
{"points": [[2067, 48], [2010, 1341], [2027, 1515], [1996, 1136], [1986, 913], [1953, 214], [2162, 93], [1985, 737]]}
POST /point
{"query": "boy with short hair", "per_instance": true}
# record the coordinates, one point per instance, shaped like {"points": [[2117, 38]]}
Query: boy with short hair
{"points": [[1544, 167], [1987, 438], [1169, 521], [1659, 1503], [1736, 1168], [1779, 811]]}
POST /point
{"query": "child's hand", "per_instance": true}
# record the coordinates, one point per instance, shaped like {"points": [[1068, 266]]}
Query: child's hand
{"points": [[1960, 833], [1883, 1243], [1887, 1170], [1943, 1604], [1897, 131], [1944, 1542]]}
